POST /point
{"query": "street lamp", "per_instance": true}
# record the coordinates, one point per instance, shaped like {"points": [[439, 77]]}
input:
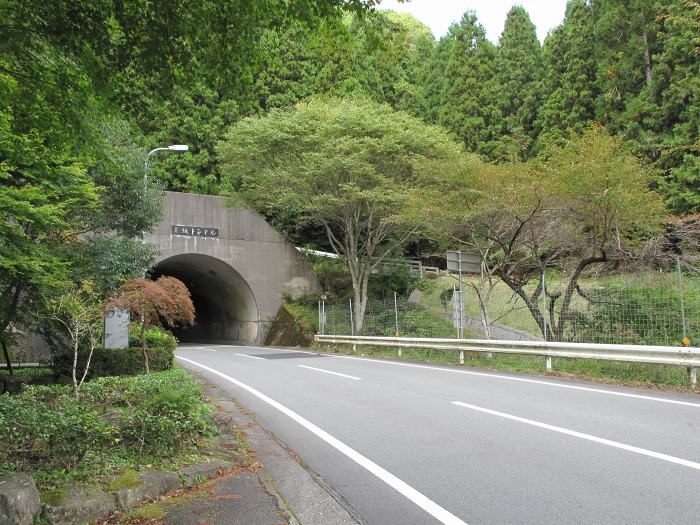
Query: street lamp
{"points": [[174, 147]]}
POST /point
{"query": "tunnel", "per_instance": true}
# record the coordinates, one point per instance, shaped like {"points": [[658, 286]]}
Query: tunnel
{"points": [[225, 308]]}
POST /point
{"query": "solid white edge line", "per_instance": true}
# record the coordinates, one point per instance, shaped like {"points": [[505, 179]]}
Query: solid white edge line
{"points": [[589, 437], [425, 503], [251, 356], [522, 380], [329, 372]]}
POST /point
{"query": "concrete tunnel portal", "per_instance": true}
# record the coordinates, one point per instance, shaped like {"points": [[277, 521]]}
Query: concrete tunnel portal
{"points": [[236, 266], [225, 308]]}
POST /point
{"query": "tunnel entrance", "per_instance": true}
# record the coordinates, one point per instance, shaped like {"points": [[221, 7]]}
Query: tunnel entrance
{"points": [[225, 308]]}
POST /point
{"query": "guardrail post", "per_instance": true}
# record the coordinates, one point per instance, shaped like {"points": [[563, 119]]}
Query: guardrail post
{"points": [[693, 376], [461, 357], [396, 318], [548, 363]]}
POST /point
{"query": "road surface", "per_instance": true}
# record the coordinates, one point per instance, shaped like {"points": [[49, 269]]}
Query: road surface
{"points": [[410, 443]]}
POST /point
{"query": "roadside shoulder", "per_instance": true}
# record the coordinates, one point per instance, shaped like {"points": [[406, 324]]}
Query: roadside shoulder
{"points": [[299, 491]]}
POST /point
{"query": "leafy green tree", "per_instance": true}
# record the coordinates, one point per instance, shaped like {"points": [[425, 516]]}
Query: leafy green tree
{"points": [[468, 103], [663, 119], [626, 47], [589, 202], [79, 314], [67, 177], [354, 168], [175, 67], [46, 196], [570, 68], [433, 79], [373, 55], [518, 75], [420, 74]]}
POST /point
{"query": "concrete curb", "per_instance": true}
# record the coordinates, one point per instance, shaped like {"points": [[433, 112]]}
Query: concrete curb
{"points": [[300, 492]]}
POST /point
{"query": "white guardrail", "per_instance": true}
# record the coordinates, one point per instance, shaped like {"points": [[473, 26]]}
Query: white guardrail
{"points": [[662, 355]]}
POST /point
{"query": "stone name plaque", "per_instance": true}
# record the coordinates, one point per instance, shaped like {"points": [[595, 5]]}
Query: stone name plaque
{"points": [[116, 329], [194, 231]]}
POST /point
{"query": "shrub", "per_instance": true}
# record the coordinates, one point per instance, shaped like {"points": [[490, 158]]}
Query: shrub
{"points": [[333, 276], [156, 337], [644, 312], [47, 429], [390, 279], [114, 362], [46, 426]]}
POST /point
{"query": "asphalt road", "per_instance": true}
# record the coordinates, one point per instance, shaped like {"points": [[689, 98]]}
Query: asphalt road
{"points": [[409, 443]]}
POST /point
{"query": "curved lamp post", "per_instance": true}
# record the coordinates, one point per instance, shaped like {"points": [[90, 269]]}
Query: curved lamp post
{"points": [[174, 147]]}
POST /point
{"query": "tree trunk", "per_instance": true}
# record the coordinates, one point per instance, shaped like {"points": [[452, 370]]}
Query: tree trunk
{"points": [[87, 364], [359, 305], [6, 354], [75, 365], [143, 346], [484, 299], [6, 320], [647, 57], [532, 307], [569, 293]]}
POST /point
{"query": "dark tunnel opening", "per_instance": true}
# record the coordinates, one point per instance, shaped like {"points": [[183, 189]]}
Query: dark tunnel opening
{"points": [[225, 308]]}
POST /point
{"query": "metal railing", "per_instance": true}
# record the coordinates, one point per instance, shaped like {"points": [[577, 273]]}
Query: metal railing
{"points": [[688, 357]]}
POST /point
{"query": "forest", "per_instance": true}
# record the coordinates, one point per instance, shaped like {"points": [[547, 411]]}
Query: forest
{"points": [[181, 73]]}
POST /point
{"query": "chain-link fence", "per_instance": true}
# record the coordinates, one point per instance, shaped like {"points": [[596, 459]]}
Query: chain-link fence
{"points": [[394, 315], [648, 309]]}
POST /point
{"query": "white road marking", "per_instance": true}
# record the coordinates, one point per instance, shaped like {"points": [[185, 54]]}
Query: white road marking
{"points": [[523, 380], [329, 372], [589, 437], [251, 356], [429, 506], [276, 349], [293, 351]]}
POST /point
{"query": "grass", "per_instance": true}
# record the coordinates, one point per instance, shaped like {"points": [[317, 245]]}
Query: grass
{"points": [[305, 316], [632, 309], [634, 374], [153, 511], [126, 480], [53, 496], [507, 308]]}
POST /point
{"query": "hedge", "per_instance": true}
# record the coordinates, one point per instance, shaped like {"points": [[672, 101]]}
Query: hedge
{"points": [[122, 362], [114, 362]]}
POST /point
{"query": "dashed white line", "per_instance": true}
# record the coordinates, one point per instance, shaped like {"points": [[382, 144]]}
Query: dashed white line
{"points": [[329, 372], [581, 435], [251, 356], [522, 380], [197, 348], [498, 376], [403, 488]]}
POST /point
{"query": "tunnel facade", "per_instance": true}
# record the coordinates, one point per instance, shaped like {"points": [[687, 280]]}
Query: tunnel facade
{"points": [[234, 263]]}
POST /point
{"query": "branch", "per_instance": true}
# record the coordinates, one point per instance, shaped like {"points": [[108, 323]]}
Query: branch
{"points": [[391, 248]]}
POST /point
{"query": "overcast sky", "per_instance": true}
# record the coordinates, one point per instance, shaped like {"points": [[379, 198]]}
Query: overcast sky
{"points": [[440, 14]]}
